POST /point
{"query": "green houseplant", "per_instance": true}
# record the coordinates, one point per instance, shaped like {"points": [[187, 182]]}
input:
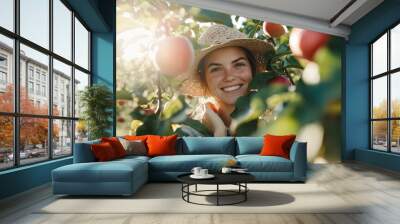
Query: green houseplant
{"points": [[96, 102]]}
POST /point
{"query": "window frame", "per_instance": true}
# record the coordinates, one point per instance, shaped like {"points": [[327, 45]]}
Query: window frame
{"points": [[388, 74], [16, 114]]}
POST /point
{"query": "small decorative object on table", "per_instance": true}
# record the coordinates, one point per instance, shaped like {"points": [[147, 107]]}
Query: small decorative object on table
{"points": [[231, 165]]}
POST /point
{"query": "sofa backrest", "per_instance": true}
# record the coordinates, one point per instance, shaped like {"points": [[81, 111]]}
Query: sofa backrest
{"points": [[249, 145], [206, 145], [83, 152]]}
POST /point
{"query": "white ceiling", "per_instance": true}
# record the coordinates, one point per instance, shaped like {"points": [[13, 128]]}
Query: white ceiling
{"points": [[320, 15]]}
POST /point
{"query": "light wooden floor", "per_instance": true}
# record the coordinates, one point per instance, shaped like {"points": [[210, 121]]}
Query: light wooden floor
{"points": [[377, 188]]}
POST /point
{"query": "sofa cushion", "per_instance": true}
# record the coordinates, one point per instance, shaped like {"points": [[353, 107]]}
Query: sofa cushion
{"points": [[207, 145], [103, 152], [111, 171], [116, 145], [83, 152], [185, 163], [161, 145], [257, 163], [134, 147], [275, 145], [249, 145], [136, 137], [131, 158]]}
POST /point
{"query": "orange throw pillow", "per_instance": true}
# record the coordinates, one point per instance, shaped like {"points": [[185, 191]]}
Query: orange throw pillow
{"points": [[277, 145], [116, 145], [161, 145], [103, 151]]}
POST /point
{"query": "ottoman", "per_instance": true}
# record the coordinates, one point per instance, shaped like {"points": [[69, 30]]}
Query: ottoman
{"points": [[118, 177]]}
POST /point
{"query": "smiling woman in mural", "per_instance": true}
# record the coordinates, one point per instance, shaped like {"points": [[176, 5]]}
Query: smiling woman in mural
{"points": [[223, 70]]}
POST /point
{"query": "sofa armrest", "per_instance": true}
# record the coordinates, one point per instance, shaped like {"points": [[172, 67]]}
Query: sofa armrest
{"points": [[298, 155], [83, 152]]}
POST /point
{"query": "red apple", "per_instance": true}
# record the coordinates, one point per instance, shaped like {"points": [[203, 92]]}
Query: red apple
{"points": [[280, 80], [174, 55], [274, 29], [305, 43], [120, 120], [121, 102]]}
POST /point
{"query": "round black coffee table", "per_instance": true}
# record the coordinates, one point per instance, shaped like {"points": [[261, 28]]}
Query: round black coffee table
{"points": [[238, 179]]}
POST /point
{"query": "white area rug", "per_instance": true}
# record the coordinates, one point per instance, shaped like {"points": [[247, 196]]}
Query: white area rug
{"points": [[166, 198]]}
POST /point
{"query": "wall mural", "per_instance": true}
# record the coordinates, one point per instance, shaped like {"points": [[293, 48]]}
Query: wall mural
{"points": [[195, 72]]}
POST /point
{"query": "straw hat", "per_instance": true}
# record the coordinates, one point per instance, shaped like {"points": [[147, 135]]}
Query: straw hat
{"points": [[219, 36]]}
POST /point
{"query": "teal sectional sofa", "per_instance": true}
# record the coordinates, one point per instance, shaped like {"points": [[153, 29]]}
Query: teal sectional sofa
{"points": [[125, 176]]}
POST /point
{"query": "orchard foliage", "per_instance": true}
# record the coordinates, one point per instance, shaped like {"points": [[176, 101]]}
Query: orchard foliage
{"points": [[282, 98]]}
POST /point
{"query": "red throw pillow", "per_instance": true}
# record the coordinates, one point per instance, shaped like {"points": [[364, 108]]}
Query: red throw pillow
{"points": [[277, 145], [136, 137], [116, 145], [103, 151], [161, 145]]}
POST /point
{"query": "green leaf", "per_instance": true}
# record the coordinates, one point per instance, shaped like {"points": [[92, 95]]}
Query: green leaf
{"points": [[204, 15], [251, 107], [260, 80], [124, 94], [153, 126], [198, 126], [291, 62], [283, 49], [175, 109]]}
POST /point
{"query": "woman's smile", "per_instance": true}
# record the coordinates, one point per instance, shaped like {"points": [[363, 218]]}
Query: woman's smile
{"points": [[232, 88]]}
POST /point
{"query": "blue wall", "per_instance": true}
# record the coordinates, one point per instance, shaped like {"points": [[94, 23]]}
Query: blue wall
{"points": [[100, 17], [103, 53], [356, 100], [24, 178]]}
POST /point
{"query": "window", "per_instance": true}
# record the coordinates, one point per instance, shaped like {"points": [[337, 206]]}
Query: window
{"points": [[62, 74], [81, 81], [30, 72], [385, 94], [37, 89], [37, 74], [30, 88], [46, 74], [6, 142], [81, 45], [62, 29], [44, 91], [3, 78], [62, 137], [7, 14], [6, 73], [3, 61], [34, 21]]}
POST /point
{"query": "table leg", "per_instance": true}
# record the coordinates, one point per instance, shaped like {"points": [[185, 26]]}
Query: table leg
{"points": [[196, 187], [245, 193], [217, 194], [188, 189]]}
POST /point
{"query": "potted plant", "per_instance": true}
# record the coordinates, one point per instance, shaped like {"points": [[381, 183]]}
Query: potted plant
{"points": [[96, 102]]}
